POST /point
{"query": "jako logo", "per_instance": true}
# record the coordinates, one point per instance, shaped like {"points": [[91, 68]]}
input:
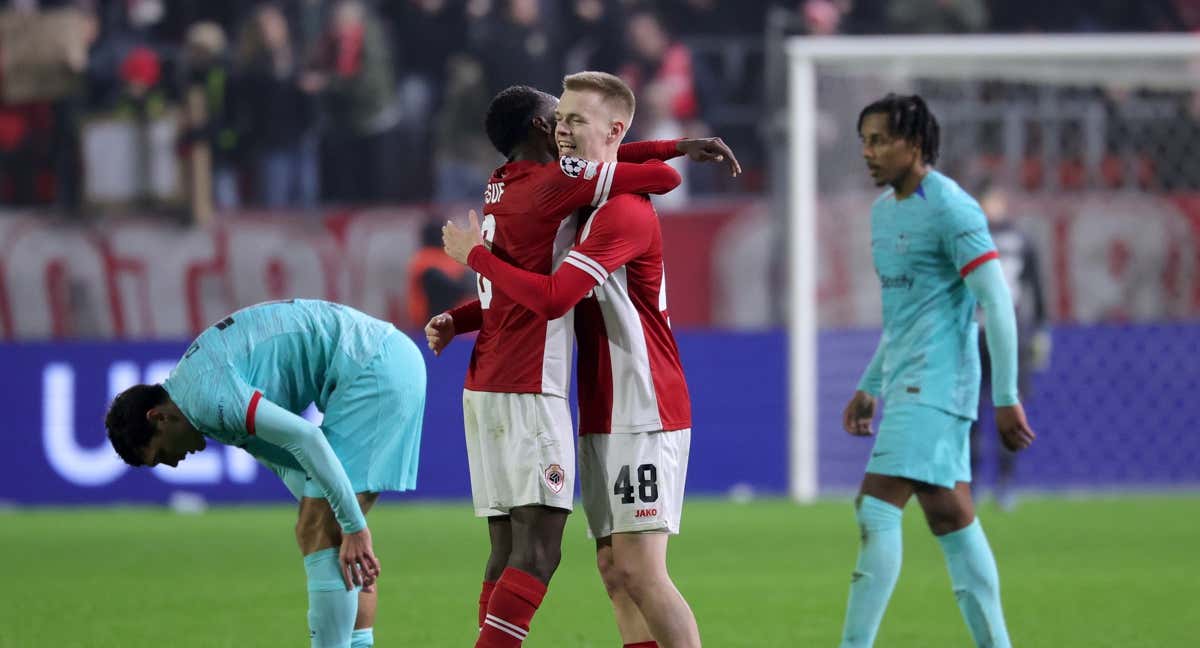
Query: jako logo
{"points": [[642, 513]]}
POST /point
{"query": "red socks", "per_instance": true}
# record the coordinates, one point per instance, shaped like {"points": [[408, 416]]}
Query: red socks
{"points": [[515, 598], [643, 644], [484, 597]]}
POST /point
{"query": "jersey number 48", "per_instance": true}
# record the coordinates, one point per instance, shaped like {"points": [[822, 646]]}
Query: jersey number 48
{"points": [[647, 484]]}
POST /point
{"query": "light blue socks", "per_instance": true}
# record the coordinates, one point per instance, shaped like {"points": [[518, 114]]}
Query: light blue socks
{"points": [[875, 573], [364, 638], [976, 584], [331, 609]]}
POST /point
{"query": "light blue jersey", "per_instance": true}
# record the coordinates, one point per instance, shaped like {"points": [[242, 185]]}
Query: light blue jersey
{"points": [[245, 379], [923, 246], [294, 352]]}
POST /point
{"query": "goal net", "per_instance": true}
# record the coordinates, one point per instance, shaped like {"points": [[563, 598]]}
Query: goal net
{"points": [[1092, 144]]}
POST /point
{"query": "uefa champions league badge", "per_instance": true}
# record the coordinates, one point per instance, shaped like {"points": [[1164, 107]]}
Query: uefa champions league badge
{"points": [[573, 166]]}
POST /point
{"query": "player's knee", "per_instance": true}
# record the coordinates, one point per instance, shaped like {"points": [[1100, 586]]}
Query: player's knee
{"points": [[500, 554], [537, 559], [496, 563], [609, 573], [942, 522], [547, 556], [640, 584], [638, 574]]}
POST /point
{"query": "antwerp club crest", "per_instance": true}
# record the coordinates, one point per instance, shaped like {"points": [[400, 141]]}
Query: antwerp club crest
{"points": [[555, 478]]}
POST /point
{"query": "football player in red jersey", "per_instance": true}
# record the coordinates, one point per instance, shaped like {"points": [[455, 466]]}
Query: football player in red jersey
{"points": [[635, 418]]}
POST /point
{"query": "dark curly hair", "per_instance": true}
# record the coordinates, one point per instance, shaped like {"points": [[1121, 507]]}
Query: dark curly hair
{"points": [[910, 119], [510, 116], [128, 429]]}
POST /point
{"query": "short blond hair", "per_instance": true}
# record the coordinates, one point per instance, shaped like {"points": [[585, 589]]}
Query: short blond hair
{"points": [[614, 90]]}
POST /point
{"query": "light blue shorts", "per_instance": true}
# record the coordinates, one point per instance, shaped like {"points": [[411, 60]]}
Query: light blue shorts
{"points": [[924, 444], [373, 424]]}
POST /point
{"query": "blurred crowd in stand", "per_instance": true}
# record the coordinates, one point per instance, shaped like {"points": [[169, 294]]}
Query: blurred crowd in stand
{"points": [[301, 103]]}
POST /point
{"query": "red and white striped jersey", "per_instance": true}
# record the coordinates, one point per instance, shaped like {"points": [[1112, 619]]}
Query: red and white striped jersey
{"points": [[528, 219], [630, 375]]}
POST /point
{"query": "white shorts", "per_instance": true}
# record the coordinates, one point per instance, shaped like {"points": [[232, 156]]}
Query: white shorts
{"points": [[633, 482], [520, 449]]}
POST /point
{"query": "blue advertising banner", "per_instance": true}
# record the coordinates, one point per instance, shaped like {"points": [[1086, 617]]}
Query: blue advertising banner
{"points": [[1116, 408], [56, 395]]}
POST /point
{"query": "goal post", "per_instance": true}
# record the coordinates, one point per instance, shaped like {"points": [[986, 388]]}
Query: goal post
{"points": [[992, 93]]}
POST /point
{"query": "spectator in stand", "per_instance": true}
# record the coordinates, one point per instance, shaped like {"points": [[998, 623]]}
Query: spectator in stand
{"points": [[24, 131], [1093, 16], [463, 156], [823, 17], [595, 31], [140, 73], [69, 112], [43, 55], [170, 21], [426, 34], [278, 112], [206, 71], [919, 16], [660, 59], [143, 100], [660, 74], [518, 45], [714, 17], [1188, 12], [356, 73]]}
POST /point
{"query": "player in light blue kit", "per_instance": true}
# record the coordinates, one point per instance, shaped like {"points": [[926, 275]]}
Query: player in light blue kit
{"points": [[244, 382], [935, 259]]}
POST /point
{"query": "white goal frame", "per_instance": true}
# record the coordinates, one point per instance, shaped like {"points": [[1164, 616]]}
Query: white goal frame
{"points": [[804, 54]]}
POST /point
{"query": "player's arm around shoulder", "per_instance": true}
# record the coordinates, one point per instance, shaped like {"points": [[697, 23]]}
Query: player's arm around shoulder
{"points": [[580, 183]]}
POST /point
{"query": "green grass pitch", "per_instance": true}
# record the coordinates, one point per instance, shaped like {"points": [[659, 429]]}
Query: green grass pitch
{"points": [[1119, 571]]}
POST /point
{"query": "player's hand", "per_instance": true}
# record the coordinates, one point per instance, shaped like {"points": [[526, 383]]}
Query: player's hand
{"points": [[359, 564], [859, 412], [458, 241], [439, 332], [709, 149], [1015, 432]]}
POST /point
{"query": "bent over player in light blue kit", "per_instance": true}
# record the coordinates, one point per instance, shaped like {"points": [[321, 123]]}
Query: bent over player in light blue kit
{"points": [[244, 382], [935, 259]]}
